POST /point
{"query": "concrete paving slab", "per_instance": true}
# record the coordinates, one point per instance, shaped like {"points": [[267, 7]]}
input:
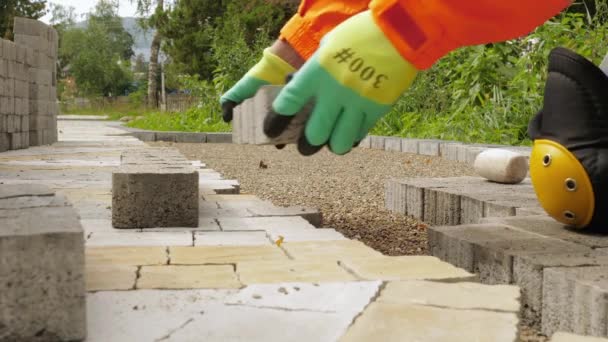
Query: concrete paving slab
{"points": [[468, 296], [110, 278], [282, 271], [264, 223], [223, 254], [426, 323], [212, 315], [251, 238], [122, 238], [173, 277], [127, 256], [405, 268], [567, 337]]}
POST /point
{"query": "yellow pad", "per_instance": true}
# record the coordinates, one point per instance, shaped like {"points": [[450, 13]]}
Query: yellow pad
{"points": [[561, 184]]}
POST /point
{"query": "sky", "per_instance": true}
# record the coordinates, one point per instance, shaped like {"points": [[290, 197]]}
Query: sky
{"points": [[126, 9]]}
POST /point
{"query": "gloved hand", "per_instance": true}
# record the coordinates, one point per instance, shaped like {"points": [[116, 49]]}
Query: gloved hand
{"points": [[355, 77], [271, 69]]}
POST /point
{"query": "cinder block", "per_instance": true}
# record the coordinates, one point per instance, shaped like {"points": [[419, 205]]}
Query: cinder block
{"points": [[575, 300], [9, 51], [150, 194], [392, 144], [528, 271], [5, 142], [42, 284]]}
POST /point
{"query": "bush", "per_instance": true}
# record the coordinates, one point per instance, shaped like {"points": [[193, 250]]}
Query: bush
{"points": [[489, 93]]}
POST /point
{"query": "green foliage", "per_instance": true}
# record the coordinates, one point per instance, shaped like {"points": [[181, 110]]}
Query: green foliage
{"points": [[98, 56], [490, 93], [9, 9], [202, 35], [193, 120]]}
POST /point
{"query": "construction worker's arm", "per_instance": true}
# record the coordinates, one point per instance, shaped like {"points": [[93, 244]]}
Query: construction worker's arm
{"points": [[364, 64], [423, 31], [299, 39]]}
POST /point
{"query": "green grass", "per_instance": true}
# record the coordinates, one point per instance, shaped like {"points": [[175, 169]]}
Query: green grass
{"points": [[183, 122]]}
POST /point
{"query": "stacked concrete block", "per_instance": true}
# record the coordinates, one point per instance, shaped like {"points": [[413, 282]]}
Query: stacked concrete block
{"points": [[459, 200], [248, 120], [562, 273], [41, 44], [42, 284], [155, 188], [14, 97]]}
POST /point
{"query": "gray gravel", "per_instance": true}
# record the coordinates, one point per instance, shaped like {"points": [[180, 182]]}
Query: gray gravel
{"points": [[348, 190]]}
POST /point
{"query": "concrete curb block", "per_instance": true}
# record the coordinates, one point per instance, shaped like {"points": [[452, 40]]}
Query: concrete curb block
{"points": [[459, 200], [179, 137], [42, 287]]}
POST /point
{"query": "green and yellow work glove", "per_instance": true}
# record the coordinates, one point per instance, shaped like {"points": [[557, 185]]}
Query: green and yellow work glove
{"points": [[271, 69], [355, 77]]}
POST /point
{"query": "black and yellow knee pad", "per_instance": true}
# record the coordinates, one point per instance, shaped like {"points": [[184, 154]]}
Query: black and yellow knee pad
{"points": [[569, 161]]}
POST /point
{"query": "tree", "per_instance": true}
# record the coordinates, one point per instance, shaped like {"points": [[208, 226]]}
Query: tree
{"points": [[98, 56], [155, 21], [9, 9], [193, 27]]}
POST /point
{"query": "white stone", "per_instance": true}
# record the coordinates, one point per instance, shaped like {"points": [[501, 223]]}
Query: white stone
{"points": [[502, 166]]}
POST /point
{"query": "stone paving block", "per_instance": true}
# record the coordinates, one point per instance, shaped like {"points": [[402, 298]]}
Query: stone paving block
{"points": [[405, 268], [528, 273], [126, 256], [575, 299], [462, 295], [204, 225], [252, 238], [383, 321], [392, 144], [145, 197], [332, 251], [188, 277], [122, 238], [547, 226], [441, 208], [489, 249], [42, 282], [377, 142], [224, 254], [285, 271], [566, 337], [110, 278]]}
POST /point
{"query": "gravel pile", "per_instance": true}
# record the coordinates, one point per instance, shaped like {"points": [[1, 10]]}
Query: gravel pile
{"points": [[348, 190]]}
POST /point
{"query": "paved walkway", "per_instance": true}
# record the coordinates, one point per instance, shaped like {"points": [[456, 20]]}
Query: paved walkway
{"points": [[250, 271]]}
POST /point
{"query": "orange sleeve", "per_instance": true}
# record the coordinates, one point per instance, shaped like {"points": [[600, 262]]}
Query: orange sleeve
{"points": [[425, 30], [314, 19]]}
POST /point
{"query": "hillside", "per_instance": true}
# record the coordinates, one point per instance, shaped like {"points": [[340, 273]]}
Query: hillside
{"points": [[142, 38]]}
